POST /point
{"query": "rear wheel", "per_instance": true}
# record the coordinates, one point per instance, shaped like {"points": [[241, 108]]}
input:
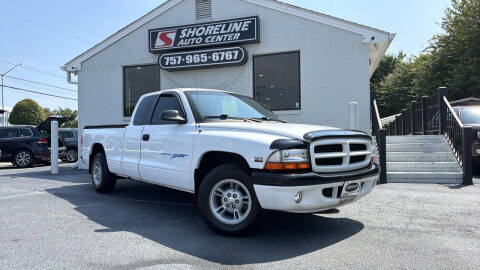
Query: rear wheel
{"points": [[103, 181], [227, 200], [71, 156], [23, 159]]}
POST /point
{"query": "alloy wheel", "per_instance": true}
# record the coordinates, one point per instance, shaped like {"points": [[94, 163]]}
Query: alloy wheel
{"points": [[97, 173], [230, 201], [23, 159]]}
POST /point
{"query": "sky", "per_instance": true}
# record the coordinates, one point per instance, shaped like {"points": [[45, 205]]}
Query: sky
{"points": [[44, 35]]}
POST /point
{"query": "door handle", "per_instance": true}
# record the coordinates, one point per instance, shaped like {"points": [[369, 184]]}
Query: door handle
{"points": [[146, 137]]}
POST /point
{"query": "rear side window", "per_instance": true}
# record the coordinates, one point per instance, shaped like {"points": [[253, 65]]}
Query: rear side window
{"points": [[66, 134], [8, 133], [25, 132], [166, 102], [144, 111]]}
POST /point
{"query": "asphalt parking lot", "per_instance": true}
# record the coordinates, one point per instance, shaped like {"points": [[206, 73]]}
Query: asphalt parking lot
{"points": [[59, 222]]}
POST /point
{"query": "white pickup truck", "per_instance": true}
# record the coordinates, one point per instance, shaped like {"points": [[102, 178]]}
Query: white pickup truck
{"points": [[233, 154]]}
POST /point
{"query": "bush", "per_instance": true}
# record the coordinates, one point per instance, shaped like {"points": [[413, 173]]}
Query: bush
{"points": [[27, 112]]}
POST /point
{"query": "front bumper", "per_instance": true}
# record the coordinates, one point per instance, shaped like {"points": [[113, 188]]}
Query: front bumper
{"points": [[322, 193]]}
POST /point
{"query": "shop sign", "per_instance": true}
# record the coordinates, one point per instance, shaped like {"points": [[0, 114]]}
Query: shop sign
{"points": [[206, 58], [234, 31]]}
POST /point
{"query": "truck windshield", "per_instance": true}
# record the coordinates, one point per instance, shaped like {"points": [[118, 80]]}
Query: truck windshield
{"points": [[226, 106], [471, 115]]}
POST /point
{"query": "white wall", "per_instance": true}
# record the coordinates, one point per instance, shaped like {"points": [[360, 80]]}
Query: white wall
{"points": [[334, 66]]}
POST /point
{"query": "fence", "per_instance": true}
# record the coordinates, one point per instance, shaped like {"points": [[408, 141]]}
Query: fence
{"points": [[434, 115]]}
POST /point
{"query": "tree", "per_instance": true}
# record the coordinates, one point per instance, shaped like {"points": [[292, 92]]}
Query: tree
{"points": [[385, 68], [452, 59], [73, 114], [459, 48], [26, 112], [396, 90]]}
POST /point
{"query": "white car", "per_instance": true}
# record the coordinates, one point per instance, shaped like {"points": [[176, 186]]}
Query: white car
{"points": [[233, 154]]}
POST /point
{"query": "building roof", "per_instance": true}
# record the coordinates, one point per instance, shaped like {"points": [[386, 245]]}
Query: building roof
{"points": [[379, 40]]}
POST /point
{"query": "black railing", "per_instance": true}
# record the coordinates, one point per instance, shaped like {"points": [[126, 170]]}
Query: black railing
{"points": [[381, 139], [421, 118], [434, 115], [460, 139]]}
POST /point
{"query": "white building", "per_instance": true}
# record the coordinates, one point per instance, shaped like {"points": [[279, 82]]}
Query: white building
{"points": [[303, 65], [4, 114]]}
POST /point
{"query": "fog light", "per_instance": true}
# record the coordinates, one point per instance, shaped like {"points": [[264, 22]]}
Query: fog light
{"points": [[298, 197]]}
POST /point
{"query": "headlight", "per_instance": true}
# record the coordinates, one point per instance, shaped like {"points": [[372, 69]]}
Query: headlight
{"points": [[292, 159], [478, 135]]}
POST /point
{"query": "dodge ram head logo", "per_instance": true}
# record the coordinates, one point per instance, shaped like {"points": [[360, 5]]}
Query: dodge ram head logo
{"points": [[165, 39]]}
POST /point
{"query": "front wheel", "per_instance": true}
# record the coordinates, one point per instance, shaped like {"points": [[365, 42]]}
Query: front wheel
{"points": [[228, 201], [103, 181]]}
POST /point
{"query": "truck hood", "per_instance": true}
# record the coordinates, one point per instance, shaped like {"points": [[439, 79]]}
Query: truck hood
{"points": [[289, 130]]}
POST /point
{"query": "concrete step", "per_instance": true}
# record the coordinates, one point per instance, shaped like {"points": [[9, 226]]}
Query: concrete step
{"points": [[416, 139], [419, 147], [425, 177], [420, 157], [423, 167]]}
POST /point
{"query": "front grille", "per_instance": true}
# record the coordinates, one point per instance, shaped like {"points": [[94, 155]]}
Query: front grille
{"points": [[358, 147], [328, 148], [328, 161], [357, 159], [339, 155]]}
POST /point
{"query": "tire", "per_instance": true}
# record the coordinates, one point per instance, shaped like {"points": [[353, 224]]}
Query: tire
{"points": [[23, 159], [237, 217], [103, 181], [71, 156]]}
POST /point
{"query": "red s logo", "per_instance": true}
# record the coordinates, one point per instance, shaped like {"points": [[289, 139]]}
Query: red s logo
{"points": [[165, 39]]}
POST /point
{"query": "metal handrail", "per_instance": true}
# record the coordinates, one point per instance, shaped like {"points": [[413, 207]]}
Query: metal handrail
{"points": [[459, 122], [379, 120]]}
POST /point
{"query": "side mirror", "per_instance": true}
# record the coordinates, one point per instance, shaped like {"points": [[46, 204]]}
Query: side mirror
{"points": [[173, 116]]}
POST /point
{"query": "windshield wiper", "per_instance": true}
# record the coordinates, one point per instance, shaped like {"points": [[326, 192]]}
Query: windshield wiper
{"points": [[225, 117], [269, 119]]}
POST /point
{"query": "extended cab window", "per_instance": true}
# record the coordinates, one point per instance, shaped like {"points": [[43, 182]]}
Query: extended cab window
{"points": [[8, 133], [144, 111], [166, 102]]}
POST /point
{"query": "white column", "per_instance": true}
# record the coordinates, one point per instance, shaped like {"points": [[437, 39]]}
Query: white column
{"points": [[353, 106], [54, 147]]}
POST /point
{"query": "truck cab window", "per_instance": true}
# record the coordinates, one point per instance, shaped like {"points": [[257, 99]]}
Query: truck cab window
{"points": [[144, 111], [166, 102]]}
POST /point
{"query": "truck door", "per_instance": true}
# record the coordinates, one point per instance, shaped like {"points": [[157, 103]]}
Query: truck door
{"points": [[167, 147], [133, 136]]}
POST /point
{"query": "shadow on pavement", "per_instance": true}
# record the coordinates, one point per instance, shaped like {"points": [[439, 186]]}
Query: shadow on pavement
{"points": [[66, 174], [172, 219]]}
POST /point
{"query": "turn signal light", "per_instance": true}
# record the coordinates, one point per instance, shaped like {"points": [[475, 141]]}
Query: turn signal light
{"points": [[274, 166], [42, 141]]}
